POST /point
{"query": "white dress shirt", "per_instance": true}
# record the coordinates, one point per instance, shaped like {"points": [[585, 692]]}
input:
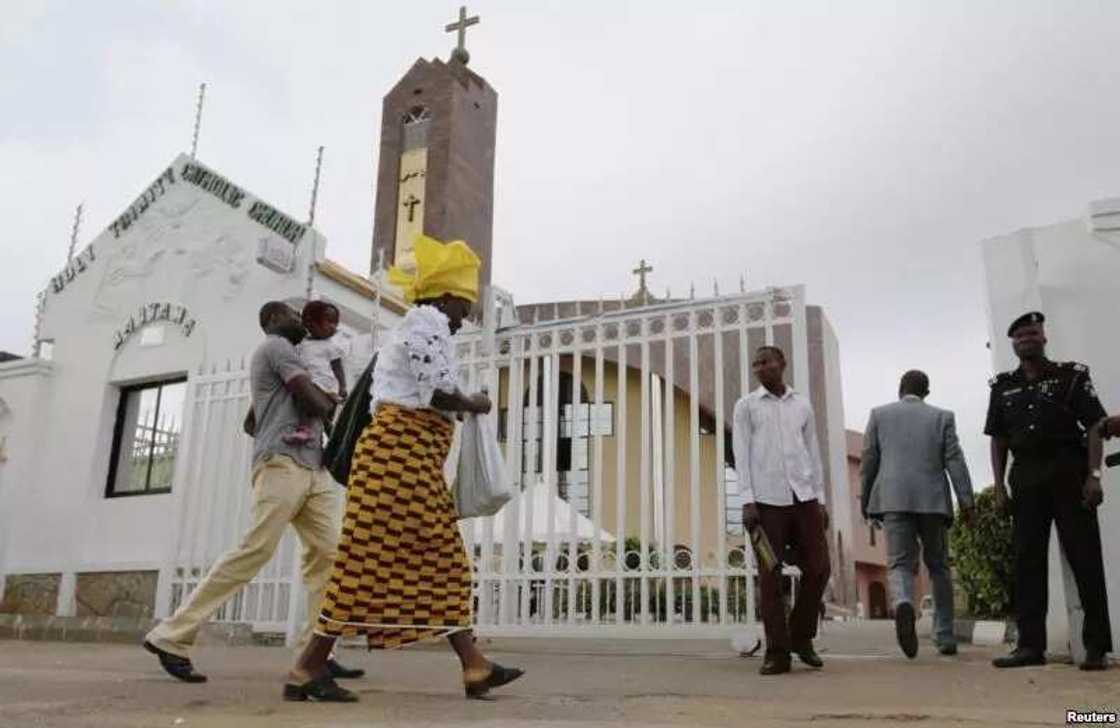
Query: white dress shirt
{"points": [[776, 452], [418, 359]]}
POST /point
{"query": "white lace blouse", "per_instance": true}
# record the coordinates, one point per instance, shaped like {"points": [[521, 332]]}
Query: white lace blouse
{"points": [[418, 359]]}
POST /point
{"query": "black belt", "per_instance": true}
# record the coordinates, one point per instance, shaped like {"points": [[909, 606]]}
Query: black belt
{"points": [[1050, 451]]}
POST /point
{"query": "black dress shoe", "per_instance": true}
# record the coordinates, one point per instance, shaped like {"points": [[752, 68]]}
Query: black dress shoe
{"points": [[323, 690], [947, 648], [1020, 658], [809, 656], [339, 672], [177, 667], [1094, 660], [774, 664], [904, 629], [499, 676]]}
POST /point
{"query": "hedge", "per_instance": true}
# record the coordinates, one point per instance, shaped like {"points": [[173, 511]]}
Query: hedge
{"points": [[983, 558]]}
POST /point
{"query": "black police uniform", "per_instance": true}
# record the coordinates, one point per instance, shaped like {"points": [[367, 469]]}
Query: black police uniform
{"points": [[1045, 422]]}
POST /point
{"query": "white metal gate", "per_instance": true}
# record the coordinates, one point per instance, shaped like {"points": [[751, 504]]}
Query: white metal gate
{"points": [[616, 424], [611, 422], [212, 496]]}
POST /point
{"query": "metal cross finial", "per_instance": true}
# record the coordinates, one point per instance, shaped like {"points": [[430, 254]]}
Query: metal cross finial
{"points": [[641, 271], [460, 26]]}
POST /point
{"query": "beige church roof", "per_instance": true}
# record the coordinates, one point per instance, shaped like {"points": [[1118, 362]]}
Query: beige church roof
{"points": [[342, 275]]}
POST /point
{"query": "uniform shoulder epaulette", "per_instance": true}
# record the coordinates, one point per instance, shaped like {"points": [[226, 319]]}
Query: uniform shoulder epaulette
{"points": [[999, 378], [1075, 366]]}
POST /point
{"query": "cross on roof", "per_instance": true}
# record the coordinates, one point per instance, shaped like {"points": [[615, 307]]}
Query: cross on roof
{"points": [[461, 25], [641, 271]]}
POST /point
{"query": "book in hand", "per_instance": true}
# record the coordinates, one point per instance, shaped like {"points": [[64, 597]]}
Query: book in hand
{"points": [[764, 552]]}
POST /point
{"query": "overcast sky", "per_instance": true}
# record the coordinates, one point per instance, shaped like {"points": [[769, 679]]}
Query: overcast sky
{"points": [[861, 148]]}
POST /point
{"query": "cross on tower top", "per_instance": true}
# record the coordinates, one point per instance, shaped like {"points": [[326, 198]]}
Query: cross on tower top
{"points": [[641, 271], [460, 53]]}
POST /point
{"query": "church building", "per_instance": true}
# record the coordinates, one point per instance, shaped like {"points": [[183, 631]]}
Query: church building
{"points": [[123, 470]]}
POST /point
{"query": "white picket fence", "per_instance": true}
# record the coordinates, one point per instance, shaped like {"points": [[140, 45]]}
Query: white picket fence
{"points": [[622, 561], [212, 507]]}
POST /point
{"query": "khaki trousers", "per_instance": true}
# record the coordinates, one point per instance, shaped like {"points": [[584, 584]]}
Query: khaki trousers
{"points": [[283, 492]]}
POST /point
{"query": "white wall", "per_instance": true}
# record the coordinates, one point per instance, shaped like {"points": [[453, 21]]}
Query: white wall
{"points": [[1071, 273], [187, 247], [840, 497]]}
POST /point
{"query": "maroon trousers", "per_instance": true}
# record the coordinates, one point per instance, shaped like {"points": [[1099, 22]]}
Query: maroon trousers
{"points": [[800, 524]]}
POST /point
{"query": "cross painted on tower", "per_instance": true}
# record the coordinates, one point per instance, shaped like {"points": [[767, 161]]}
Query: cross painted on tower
{"points": [[411, 202], [460, 53]]}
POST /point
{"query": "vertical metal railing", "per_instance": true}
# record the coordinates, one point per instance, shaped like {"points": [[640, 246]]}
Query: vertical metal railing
{"points": [[644, 542], [639, 542]]}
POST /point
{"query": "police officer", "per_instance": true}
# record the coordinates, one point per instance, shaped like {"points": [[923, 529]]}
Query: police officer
{"points": [[1041, 413]]}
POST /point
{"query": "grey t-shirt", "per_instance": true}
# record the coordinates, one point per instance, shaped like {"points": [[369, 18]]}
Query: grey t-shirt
{"points": [[274, 363]]}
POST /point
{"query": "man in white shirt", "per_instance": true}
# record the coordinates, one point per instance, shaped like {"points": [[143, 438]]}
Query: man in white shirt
{"points": [[778, 463]]}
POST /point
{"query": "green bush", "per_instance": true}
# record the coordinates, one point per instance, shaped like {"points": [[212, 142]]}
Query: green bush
{"points": [[984, 559]]}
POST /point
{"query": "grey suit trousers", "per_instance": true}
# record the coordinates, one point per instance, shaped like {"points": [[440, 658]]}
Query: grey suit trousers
{"points": [[904, 531]]}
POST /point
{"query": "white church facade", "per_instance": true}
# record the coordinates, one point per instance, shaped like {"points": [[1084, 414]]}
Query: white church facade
{"points": [[92, 428]]}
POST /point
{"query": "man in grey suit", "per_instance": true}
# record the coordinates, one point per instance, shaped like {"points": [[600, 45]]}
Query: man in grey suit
{"points": [[910, 453]]}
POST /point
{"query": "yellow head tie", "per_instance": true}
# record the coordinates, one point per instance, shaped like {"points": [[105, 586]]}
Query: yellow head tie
{"points": [[440, 268]]}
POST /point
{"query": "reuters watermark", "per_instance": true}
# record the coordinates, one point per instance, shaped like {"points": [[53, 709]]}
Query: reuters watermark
{"points": [[1091, 717]]}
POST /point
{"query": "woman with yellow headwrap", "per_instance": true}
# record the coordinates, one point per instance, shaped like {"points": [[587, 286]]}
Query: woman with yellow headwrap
{"points": [[402, 572]]}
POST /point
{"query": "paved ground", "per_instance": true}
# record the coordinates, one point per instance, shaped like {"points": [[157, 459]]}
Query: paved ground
{"points": [[572, 683]]}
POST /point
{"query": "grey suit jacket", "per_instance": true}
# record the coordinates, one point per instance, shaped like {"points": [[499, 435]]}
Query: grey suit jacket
{"points": [[910, 453]]}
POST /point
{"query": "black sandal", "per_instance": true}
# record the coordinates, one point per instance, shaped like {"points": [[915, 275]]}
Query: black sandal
{"points": [[176, 666], [322, 690], [498, 677]]}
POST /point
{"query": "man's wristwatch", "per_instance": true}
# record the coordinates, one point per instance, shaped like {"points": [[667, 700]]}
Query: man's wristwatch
{"points": [[1095, 474]]}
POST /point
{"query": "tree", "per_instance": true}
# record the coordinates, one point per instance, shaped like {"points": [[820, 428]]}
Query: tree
{"points": [[984, 558]]}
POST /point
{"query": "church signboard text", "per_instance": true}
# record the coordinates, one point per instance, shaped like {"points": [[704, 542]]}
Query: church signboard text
{"points": [[277, 222], [150, 313], [138, 208], [193, 173], [79, 264], [215, 184]]}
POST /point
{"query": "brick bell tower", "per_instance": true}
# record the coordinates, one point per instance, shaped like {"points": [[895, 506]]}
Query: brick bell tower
{"points": [[436, 170]]}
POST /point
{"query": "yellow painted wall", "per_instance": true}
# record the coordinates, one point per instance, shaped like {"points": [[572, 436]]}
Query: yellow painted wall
{"points": [[707, 537]]}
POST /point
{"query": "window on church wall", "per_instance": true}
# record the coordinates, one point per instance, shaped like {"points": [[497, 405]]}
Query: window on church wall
{"points": [[414, 128], [146, 438]]}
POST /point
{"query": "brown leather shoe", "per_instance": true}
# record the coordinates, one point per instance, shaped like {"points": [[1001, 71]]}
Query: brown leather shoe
{"points": [[322, 690], [175, 666], [499, 676], [1094, 660], [1021, 657], [904, 629], [808, 655], [775, 663], [341, 672]]}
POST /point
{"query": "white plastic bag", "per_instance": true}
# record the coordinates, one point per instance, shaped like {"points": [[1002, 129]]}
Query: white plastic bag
{"points": [[481, 487]]}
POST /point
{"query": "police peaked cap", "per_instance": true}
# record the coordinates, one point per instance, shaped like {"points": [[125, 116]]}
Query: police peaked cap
{"points": [[1033, 317]]}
